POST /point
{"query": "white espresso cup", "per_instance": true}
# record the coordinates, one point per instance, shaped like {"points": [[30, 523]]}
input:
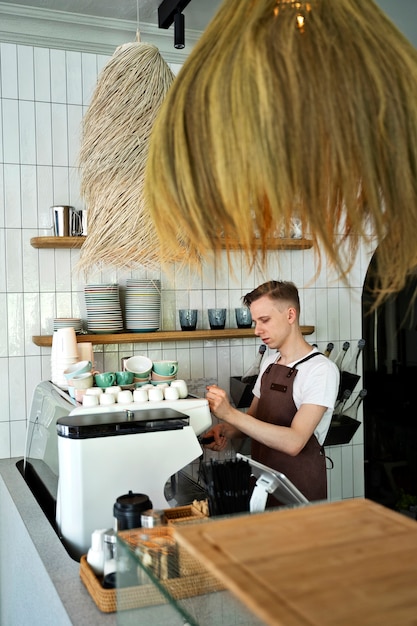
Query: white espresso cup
{"points": [[90, 401], [181, 385], [140, 395], [94, 391], [171, 393], [155, 394], [107, 398], [125, 397]]}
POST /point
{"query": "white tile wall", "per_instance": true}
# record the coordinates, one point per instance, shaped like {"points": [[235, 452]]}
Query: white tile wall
{"points": [[44, 93]]}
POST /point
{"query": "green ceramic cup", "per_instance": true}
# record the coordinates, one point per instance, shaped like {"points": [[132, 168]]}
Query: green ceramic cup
{"points": [[165, 368], [124, 378], [105, 379]]}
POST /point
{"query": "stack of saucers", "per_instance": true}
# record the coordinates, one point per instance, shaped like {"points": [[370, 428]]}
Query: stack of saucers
{"points": [[143, 305], [104, 314], [68, 322]]}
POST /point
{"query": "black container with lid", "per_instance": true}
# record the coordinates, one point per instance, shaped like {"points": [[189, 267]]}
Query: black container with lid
{"points": [[128, 509]]}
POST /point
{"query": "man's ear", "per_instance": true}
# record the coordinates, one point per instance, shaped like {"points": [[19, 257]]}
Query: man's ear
{"points": [[291, 314]]}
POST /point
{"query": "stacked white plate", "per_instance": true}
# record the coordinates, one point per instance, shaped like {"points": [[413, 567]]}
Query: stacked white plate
{"points": [[104, 314], [143, 305], [68, 322]]}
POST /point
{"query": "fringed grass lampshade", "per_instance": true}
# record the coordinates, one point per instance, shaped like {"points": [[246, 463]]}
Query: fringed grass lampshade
{"points": [[114, 151], [283, 108]]}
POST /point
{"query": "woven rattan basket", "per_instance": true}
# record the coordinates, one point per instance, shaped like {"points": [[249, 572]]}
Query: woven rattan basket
{"points": [[189, 578]]}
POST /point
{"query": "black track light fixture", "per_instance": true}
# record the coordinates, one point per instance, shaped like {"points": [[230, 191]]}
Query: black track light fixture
{"points": [[170, 12], [179, 31]]}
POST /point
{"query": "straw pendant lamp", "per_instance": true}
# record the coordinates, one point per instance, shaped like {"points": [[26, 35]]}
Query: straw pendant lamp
{"points": [[114, 149], [289, 107]]}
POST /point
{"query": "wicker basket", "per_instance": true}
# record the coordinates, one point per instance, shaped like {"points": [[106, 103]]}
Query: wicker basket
{"points": [[187, 578]]}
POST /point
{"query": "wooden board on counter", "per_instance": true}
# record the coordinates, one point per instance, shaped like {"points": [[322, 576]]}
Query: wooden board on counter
{"points": [[344, 563], [45, 341]]}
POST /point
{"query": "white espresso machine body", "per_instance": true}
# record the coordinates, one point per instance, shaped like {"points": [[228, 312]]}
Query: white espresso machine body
{"points": [[105, 455]]}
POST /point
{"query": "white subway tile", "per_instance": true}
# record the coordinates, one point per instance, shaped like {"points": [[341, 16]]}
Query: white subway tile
{"points": [[58, 76], [15, 324], [2, 191], [14, 260], [5, 396], [43, 133], [45, 198], [25, 73], [88, 75], [33, 374], [60, 177], [10, 121], [25, 66], [2, 260], [74, 78], [30, 267], [59, 135], [12, 198], [4, 435], [27, 132], [29, 196], [17, 438], [16, 385], [8, 73], [4, 348], [32, 322], [74, 134], [47, 270], [42, 75]]}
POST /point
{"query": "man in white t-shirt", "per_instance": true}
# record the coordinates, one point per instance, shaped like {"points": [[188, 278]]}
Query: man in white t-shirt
{"points": [[294, 395]]}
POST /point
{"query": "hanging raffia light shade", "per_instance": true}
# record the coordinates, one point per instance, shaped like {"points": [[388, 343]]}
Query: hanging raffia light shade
{"points": [[114, 149], [284, 108]]}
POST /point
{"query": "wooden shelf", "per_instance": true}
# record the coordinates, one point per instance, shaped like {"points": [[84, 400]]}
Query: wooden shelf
{"points": [[57, 242], [273, 243], [45, 341]]}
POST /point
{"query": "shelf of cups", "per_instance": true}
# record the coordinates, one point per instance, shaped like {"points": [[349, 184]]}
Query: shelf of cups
{"points": [[272, 243], [45, 341]]}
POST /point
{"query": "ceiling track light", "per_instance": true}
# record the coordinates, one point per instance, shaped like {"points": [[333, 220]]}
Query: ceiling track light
{"points": [[170, 12], [179, 31]]}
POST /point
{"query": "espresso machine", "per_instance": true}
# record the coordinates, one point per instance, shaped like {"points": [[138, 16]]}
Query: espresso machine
{"points": [[102, 453]]}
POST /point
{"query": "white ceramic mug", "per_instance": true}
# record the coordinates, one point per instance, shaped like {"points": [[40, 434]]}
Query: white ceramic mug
{"points": [[115, 390], [107, 398], [181, 385], [82, 381], [125, 397], [94, 391], [90, 401], [140, 395], [155, 394], [171, 393]]}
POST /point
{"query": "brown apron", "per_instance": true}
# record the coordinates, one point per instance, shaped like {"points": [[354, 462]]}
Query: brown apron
{"points": [[307, 470]]}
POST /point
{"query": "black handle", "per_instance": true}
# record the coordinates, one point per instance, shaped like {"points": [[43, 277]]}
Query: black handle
{"points": [[205, 440]]}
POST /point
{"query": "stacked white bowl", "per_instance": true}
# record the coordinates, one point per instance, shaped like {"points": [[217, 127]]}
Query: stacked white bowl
{"points": [[64, 353]]}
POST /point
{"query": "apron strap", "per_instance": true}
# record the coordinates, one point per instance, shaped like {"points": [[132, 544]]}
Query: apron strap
{"points": [[306, 358]]}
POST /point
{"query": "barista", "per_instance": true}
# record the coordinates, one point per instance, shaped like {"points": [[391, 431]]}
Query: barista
{"points": [[294, 395]]}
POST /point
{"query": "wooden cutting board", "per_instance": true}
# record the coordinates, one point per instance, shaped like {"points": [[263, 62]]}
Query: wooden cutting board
{"points": [[329, 564]]}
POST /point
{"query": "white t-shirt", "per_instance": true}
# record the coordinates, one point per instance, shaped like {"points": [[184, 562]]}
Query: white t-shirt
{"points": [[317, 382]]}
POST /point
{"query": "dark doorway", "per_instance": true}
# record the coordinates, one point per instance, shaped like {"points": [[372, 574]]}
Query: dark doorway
{"points": [[390, 408]]}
